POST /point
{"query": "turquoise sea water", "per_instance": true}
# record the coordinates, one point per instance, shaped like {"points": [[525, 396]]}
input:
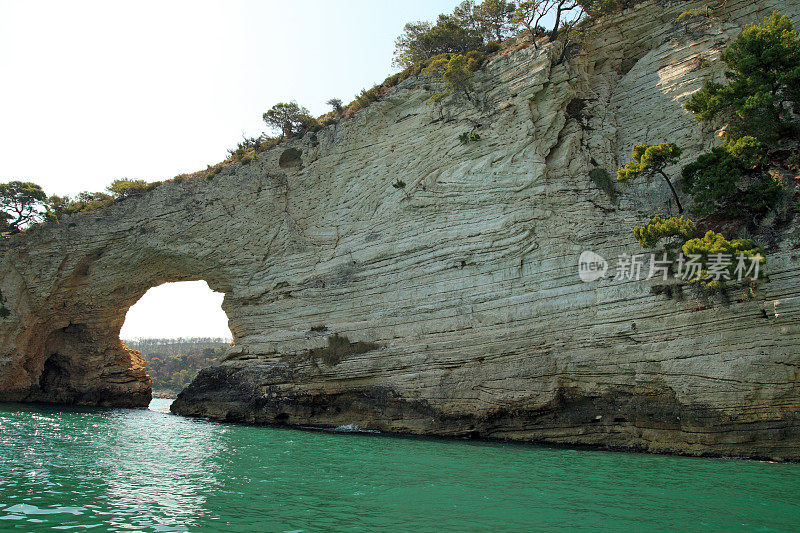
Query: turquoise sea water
{"points": [[129, 470]]}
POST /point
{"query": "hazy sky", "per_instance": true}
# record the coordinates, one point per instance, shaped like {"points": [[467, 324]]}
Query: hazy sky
{"points": [[187, 309], [95, 91]]}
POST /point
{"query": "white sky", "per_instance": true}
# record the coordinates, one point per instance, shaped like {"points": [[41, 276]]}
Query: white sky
{"points": [[186, 309], [95, 91]]}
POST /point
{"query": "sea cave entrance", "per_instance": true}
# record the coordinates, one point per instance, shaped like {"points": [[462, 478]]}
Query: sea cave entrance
{"points": [[179, 328]]}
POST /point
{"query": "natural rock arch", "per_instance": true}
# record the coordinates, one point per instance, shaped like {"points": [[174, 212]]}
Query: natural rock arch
{"points": [[68, 287], [461, 289], [72, 350]]}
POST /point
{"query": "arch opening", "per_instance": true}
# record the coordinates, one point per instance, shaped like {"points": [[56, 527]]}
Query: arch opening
{"points": [[179, 328]]}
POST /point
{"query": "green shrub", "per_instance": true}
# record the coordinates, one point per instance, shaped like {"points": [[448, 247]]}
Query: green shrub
{"points": [[213, 171], [682, 235], [399, 184], [492, 47], [289, 118], [308, 123], [124, 188], [84, 202], [713, 244], [420, 41], [763, 83], [366, 97], [265, 142], [651, 234], [469, 137], [336, 104], [456, 70], [691, 13], [649, 158], [732, 179], [21, 203], [652, 159]]}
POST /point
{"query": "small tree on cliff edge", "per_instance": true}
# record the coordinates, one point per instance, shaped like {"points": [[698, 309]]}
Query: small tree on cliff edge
{"points": [[286, 117], [21, 203], [336, 104], [125, 187], [494, 17], [531, 14], [652, 159]]}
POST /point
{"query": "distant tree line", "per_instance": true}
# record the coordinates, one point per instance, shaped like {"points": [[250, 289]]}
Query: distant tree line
{"points": [[177, 345], [174, 363]]}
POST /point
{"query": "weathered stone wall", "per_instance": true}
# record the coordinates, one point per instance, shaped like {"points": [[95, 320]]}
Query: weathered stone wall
{"points": [[465, 280]]}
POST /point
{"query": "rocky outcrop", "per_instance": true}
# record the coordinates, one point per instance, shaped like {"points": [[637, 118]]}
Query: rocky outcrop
{"points": [[455, 302]]}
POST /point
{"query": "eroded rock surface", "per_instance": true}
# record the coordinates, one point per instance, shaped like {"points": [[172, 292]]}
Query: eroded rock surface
{"points": [[461, 289]]}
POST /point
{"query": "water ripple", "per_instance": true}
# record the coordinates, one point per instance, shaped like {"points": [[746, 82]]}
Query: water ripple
{"points": [[128, 470]]}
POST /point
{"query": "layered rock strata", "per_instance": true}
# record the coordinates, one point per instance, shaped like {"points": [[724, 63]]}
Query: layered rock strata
{"points": [[451, 306]]}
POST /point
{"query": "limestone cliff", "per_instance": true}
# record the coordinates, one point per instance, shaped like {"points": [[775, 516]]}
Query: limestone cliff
{"points": [[452, 306]]}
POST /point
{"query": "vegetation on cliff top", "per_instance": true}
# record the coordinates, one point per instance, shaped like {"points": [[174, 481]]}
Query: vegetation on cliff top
{"points": [[760, 101], [21, 203], [450, 50]]}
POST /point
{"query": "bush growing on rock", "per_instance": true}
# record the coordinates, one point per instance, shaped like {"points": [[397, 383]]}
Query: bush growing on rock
{"points": [[336, 104], [124, 188], [84, 202], [21, 203], [288, 118], [456, 71], [733, 180], [493, 17], [763, 88], [491, 47], [709, 249], [715, 244], [651, 234], [468, 137], [420, 41], [759, 103], [652, 159]]}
